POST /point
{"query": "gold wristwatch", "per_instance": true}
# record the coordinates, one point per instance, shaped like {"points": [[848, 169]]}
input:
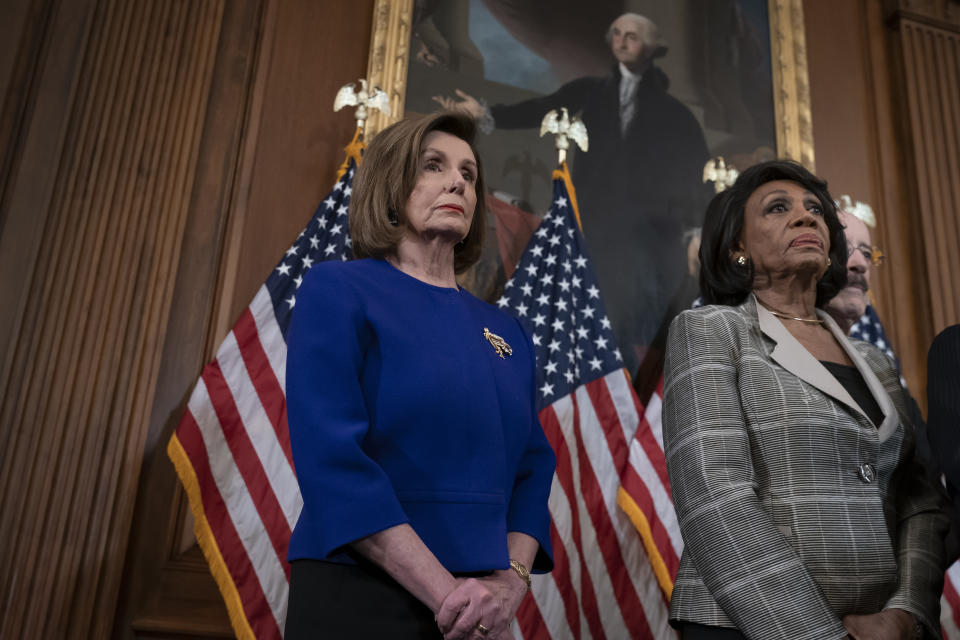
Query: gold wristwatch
{"points": [[521, 571]]}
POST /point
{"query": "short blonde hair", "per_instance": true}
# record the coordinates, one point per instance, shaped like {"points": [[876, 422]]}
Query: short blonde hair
{"points": [[387, 176]]}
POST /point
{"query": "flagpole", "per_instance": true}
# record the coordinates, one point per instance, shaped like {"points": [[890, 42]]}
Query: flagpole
{"points": [[565, 128], [562, 172], [354, 151], [364, 100], [589, 413]]}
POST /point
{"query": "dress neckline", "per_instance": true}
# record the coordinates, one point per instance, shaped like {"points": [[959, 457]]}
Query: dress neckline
{"points": [[449, 290]]}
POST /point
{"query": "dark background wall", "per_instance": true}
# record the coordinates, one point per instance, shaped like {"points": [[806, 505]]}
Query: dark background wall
{"points": [[157, 156]]}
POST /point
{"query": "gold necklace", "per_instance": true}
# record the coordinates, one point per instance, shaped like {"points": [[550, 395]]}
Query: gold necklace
{"points": [[785, 316]]}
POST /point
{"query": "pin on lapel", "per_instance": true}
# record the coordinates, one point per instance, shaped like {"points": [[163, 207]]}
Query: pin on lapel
{"points": [[499, 344]]}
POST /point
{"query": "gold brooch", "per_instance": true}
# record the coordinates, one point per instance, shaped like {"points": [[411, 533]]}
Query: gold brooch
{"points": [[499, 344]]}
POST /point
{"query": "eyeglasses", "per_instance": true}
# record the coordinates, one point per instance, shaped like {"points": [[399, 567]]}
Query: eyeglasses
{"points": [[870, 253]]}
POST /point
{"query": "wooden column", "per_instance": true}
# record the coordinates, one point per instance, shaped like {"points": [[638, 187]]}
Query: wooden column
{"points": [[930, 46], [883, 76], [93, 220], [270, 148], [156, 158]]}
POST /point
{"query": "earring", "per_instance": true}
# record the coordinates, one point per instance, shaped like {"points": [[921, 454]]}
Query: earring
{"points": [[392, 217], [742, 260], [829, 263]]}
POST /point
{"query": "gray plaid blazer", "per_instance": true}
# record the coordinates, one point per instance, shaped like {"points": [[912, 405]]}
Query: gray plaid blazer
{"points": [[795, 508]]}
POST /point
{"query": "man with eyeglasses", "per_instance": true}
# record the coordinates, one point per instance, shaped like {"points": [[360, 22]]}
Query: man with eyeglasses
{"points": [[853, 313], [850, 305]]}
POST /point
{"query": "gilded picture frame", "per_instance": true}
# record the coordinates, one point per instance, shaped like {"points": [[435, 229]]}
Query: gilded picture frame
{"points": [[789, 127], [389, 59]]}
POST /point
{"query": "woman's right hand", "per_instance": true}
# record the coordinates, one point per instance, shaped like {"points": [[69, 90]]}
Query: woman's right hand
{"points": [[467, 104], [467, 606]]}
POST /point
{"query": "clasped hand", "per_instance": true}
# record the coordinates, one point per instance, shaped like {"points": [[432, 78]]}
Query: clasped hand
{"points": [[890, 624], [491, 601]]}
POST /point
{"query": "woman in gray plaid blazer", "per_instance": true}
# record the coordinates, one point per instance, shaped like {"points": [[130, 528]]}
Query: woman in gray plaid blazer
{"points": [[789, 450]]}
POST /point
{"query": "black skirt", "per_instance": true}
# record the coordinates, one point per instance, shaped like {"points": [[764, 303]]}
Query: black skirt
{"points": [[332, 601], [693, 631]]}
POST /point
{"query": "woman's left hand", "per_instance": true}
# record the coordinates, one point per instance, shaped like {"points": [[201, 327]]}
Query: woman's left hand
{"points": [[504, 591], [465, 609], [508, 590], [890, 624]]}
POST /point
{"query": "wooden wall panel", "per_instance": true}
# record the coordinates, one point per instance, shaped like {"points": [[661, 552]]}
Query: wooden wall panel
{"points": [[166, 591], [931, 60], [301, 139], [901, 291], [272, 144], [35, 120], [159, 156], [859, 152], [92, 314], [885, 105], [22, 29]]}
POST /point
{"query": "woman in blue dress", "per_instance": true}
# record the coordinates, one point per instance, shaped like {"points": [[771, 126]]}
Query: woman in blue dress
{"points": [[423, 467]]}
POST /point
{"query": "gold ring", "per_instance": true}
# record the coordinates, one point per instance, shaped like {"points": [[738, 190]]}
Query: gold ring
{"points": [[482, 629]]}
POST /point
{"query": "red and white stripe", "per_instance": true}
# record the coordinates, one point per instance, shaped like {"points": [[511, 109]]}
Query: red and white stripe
{"points": [[235, 435], [645, 480], [950, 604], [603, 585]]}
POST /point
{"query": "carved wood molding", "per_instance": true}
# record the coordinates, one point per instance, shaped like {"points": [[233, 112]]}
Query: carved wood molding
{"points": [[84, 368], [901, 296], [167, 588], [930, 63], [271, 89], [389, 57], [944, 14], [791, 85]]}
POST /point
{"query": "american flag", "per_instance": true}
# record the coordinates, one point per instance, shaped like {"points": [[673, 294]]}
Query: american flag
{"points": [[645, 495], [603, 585], [869, 329], [950, 604], [232, 448], [645, 492]]}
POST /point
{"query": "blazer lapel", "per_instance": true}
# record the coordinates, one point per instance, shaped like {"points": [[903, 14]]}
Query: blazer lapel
{"points": [[890, 416], [793, 357]]}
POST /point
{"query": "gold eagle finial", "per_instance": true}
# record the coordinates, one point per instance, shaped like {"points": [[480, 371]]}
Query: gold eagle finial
{"points": [[719, 173], [363, 100], [566, 129]]}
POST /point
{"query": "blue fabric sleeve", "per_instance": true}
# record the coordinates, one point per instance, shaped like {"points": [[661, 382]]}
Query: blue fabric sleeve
{"points": [[346, 494], [528, 512]]}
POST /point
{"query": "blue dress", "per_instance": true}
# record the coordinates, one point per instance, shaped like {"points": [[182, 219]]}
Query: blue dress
{"points": [[401, 411]]}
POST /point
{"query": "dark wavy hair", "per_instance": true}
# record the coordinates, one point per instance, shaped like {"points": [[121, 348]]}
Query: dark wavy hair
{"points": [[722, 280]]}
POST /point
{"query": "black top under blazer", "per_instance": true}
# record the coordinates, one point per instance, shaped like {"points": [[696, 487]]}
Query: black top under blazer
{"points": [[795, 508], [943, 400]]}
